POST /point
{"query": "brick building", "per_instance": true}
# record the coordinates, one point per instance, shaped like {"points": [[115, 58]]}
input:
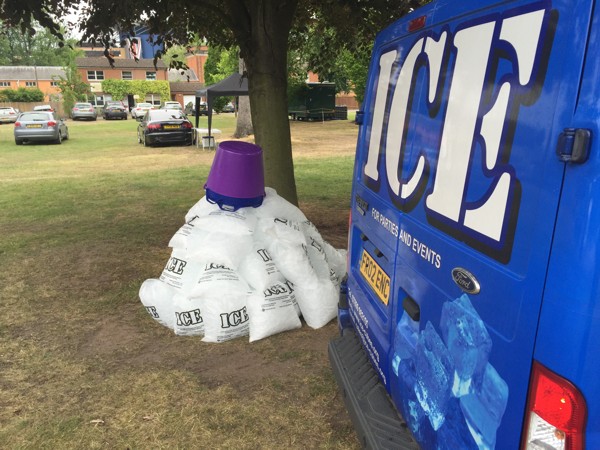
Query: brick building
{"points": [[15, 77], [95, 70]]}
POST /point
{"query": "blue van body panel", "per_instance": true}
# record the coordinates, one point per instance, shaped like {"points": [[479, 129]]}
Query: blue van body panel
{"points": [[488, 238], [569, 327]]}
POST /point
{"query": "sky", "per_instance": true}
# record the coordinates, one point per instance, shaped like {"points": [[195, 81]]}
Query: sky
{"points": [[72, 32]]}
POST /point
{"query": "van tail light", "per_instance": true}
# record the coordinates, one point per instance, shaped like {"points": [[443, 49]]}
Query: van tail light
{"points": [[556, 413], [51, 123]]}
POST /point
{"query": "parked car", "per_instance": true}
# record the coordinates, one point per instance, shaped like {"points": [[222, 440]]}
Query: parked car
{"points": [[140, 110], [114, 112], [83, 111], [8, 114], [40, 126], [43, 108], [203, 109], [229, 107], [172, 105], [165, 126]]}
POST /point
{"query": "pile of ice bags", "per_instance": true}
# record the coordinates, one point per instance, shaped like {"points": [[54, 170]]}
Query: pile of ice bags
{"points": [[253, 272]]}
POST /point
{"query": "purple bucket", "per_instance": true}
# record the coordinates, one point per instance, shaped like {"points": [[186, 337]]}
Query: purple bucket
{"points": [[236, 178]]}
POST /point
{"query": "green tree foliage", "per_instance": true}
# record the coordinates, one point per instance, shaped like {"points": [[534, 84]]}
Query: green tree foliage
{"points": [[175, 56], [42, 48], [348, 70], [72, 86], [119, 89], [220, 64], [322, 47], [22, 95]]}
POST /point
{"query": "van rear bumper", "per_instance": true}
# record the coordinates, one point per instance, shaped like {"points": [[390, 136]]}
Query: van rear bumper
{"points": [[377, 423]]}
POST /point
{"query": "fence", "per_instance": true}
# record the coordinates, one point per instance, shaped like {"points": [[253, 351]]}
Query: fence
{"points": [[28, 106], [347, 100]]}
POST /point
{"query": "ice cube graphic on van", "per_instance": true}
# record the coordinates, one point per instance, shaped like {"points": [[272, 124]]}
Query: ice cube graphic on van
{"points": [[434, 375], [484, 407], [448, 381], [467, 340]]}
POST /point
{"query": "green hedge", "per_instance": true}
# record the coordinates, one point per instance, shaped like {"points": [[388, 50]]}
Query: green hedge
{"points": [[22, 95], [120, 89]]}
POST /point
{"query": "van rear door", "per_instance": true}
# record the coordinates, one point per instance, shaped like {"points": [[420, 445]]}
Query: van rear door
{"points": [[457, 173]]}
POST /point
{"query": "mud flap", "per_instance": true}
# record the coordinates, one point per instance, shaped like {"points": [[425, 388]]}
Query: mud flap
{"points": [[377, 423]]}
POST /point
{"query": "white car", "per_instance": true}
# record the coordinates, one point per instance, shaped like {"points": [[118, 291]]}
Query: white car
{"points": [[8, 114], [43, 108], [172, 105], [140, 110]]}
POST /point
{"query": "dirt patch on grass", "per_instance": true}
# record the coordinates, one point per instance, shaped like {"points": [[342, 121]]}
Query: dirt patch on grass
{"points": [[331, 138], [238, 364]]}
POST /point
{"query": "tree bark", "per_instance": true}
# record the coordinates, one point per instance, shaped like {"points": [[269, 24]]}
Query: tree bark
{"points": [[243, 126], [262, 33]]}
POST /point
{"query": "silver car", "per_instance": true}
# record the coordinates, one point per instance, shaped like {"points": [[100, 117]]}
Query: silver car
{"points": [[8, 114], [40, 126], [83, 111]]}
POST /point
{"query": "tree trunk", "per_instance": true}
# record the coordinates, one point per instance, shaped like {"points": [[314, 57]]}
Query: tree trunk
{"points": [[262, 34], [243, 126]]}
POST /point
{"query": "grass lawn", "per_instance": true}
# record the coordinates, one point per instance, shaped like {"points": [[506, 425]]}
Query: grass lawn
{"points": [[82, 365]]}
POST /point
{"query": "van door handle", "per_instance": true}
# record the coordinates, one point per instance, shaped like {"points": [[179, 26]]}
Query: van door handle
{"points": [[574, 145], [412, 308]]}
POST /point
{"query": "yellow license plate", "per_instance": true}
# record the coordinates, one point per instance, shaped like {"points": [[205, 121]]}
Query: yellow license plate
{"points": [[34, 126], [375, 276], [171, 127]]}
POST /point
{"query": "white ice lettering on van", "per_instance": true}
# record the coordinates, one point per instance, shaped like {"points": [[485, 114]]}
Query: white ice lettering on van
{"points": [[421, 249], [427, 253], [385, 222], [475, 79], [362, 327]]}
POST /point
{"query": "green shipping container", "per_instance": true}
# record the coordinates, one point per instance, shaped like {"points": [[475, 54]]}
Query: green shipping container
{"points": [[312, 101]]}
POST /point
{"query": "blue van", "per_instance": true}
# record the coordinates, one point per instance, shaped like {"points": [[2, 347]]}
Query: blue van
{"points": [[470, 318]]}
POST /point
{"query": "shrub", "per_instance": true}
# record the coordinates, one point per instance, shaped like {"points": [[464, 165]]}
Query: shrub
{"points": [[22, 95]]}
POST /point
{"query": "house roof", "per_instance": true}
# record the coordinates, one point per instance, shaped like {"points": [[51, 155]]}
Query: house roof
{"points": [[185, 87], [176, 75], [119, 63], [30, 72]]}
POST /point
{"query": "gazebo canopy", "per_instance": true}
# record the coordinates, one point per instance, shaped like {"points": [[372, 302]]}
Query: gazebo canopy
{"points": [[235, 85]]}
